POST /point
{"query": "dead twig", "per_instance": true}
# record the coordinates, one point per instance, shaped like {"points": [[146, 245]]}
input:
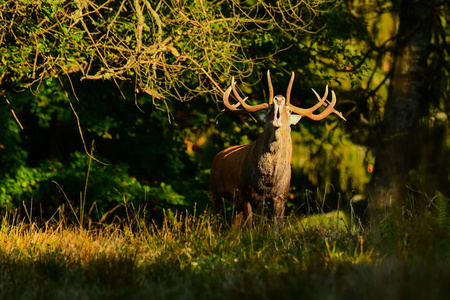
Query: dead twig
{"points": [[79, 127], [13, 113]]}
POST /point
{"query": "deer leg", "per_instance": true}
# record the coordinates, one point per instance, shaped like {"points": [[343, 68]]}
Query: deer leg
{"points": [[244, 215], [248, 214], [218, 204], [278, 207], [238, 219]]}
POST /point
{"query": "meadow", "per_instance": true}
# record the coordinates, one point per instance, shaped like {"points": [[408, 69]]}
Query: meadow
{"points": [[320, 256]]}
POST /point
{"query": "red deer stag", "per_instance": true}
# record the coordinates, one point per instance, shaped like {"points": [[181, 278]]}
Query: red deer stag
{"points": [[261, 171]]}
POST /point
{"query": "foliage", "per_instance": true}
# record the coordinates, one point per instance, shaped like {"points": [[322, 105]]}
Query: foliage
{"points": [[148, 54], [169, 49], [138, 83], [328, 155], [51, 153]]}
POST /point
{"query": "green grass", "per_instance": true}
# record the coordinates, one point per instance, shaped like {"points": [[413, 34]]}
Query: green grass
{"points": [[196, 257]]}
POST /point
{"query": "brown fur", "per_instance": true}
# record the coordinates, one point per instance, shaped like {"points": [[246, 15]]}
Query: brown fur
{"points": [[257, 172]]}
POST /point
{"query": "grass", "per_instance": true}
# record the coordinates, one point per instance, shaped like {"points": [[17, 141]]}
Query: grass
{"points": [[317, 257]]}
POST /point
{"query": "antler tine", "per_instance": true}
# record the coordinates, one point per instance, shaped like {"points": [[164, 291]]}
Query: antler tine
{"points": [[246, 108], [338, 113], [307, 112], [322, 101], [328, 103], [327, 111], [236, 94], [288, 92], [226, 100], [269, 81]]}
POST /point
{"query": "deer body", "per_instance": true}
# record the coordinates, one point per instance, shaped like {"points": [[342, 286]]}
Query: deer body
{"points": [[254, 173], [259, 172]]}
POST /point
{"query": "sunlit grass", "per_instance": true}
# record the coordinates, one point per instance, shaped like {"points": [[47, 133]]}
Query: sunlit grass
{"points": [[320, 256]]}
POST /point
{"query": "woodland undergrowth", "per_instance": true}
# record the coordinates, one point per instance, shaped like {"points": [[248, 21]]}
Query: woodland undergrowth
{"points": [[200, 256]]}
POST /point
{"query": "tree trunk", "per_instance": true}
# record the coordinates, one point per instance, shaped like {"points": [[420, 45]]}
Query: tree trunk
{"points": [[401, 112]]}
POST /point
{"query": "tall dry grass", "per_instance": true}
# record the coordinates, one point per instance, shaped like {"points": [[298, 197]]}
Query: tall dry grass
{"points": [[321, 256]]}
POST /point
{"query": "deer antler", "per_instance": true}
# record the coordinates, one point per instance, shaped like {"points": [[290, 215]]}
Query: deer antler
{"points": [[269, 81], [309, 112], [246, 108]]}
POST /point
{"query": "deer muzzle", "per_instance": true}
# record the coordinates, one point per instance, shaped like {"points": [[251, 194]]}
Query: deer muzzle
{"points": [[278, 103]]}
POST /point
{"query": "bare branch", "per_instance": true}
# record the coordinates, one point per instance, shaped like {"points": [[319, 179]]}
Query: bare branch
{"points": [[13, 113]]}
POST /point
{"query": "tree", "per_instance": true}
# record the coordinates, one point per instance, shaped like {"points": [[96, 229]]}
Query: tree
{"points": [[409, 94], [66, 58], [168, 49], [144, 79]]}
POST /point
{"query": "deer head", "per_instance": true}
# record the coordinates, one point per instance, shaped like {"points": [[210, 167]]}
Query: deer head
{"points": [[280, 107]]}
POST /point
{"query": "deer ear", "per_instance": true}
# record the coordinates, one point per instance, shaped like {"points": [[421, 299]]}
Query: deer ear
{"points": [[293, 119], [262, 116]]}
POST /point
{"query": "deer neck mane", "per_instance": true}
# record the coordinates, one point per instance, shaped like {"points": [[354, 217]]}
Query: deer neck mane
{"points": [[275, 148], [274, 139]]}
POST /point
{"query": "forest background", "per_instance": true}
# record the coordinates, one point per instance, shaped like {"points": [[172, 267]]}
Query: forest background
{"points": [[106, 104]]}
